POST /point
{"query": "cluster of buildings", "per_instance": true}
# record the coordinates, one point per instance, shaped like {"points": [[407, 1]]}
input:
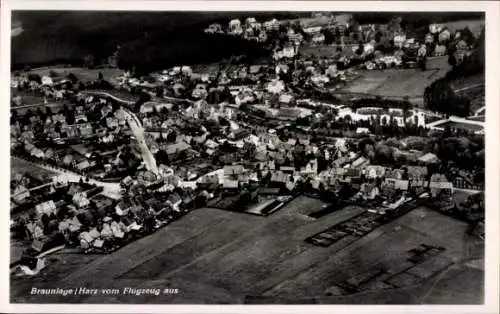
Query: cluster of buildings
{"points": [[375, 46], [79, 214], [212, 131]]}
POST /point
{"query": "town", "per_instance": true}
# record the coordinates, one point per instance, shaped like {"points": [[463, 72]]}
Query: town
{"points": [[374, 121]]}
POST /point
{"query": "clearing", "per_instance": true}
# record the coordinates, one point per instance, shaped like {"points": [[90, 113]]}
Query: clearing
{"points": [[396, 83]]}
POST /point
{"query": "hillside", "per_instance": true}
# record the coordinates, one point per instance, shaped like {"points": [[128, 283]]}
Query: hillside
{"points": [[147, 39]]}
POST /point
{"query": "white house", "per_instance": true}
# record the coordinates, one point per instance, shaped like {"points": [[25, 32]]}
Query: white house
{"points": [[80, 200], [435, 28], [273, 24], [318, 38], [47, 80], [429, 38], [235, 27], [444, 36], [275, 87], [399, 40]]}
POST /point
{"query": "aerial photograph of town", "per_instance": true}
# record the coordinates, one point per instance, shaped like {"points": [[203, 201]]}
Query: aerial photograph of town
{"points": [[198, 157]]}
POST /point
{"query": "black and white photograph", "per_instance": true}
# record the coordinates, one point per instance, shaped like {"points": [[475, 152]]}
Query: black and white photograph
{"points": [[249, 157]]}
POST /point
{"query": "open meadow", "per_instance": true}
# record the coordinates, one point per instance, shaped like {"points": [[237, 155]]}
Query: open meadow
{"points": [[83, 74], [396, 83], [218, 256], [19, 166]]}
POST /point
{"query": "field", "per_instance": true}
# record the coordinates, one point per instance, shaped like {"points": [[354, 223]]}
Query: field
{"points": [[463, 126], [82, 74], [396, 83], [325, 51], [474, 25], [22, 167], [217, 256]]}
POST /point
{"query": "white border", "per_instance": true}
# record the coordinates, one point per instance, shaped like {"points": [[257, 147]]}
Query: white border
{"points": [[492, 10]]}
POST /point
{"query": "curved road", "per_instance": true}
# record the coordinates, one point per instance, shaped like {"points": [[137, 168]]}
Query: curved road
{"points": [[136, 127], [70, 176], [138, 130]]}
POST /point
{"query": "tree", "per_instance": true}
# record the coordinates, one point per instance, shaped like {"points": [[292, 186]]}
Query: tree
{"points": [[34, 78], [159, 91], [13, 116], [406, 107], [329, 36], [172, 136], [48, 111], [223, 122], [346, 191], [452, 60], [467, 35], [162, 157], [88, 62], [72, 78]]}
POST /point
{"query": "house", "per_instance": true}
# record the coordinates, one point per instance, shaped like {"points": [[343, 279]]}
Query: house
{"points": [[369, 191], [319, 79], [80, 200], [429, 38], [397, 184], [394, 174], [440, 50], [84, 165], [310, 168], [147, 178], [102, 204], [286, 99], [230, 184], [262, 36], [362, 131], [429, 158], [440, 185], [48, 208], [234, 170], [28, 135], [200, 91], [422, 51], [239, 134], [287, 52], [214, 28], [20, 194], [123, 207], [68, 160], [416, 172], [435, 28], [399, 40], [46, 80], [270, 25], [275, 87], [174, 200], [235, 27], [86, 129], [279, 177], [252, 22], [360, 162], [177, 148], [34, 230], [267, 165], [444, 36], [318, 39], [462, 45], [58, 118], [374, 171]]}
